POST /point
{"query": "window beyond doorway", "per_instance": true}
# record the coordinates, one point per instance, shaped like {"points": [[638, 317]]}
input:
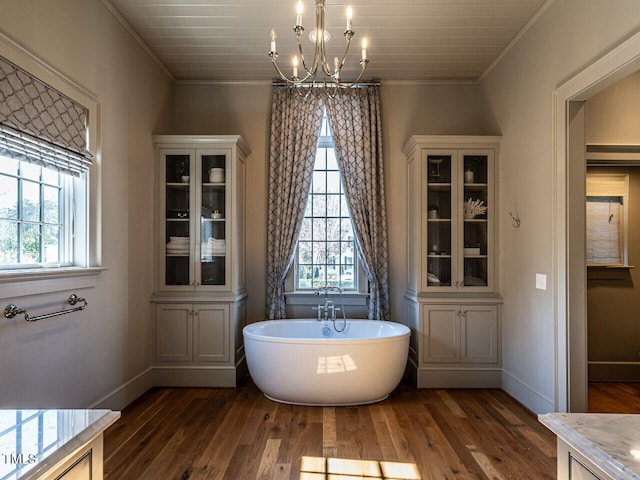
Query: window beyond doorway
{"points": [[606, 227]]}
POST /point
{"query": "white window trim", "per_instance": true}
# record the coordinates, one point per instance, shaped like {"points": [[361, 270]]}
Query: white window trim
{"points": [[87, 254], [612, 185]]}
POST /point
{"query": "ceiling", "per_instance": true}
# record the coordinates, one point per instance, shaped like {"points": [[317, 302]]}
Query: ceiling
{"points": [[228, 40]]}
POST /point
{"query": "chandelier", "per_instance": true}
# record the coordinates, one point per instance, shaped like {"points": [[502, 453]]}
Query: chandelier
{"points": [[309, 73]]}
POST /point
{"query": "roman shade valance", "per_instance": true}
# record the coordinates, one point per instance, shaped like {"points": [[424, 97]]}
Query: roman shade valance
{"points": [[40, 125]]}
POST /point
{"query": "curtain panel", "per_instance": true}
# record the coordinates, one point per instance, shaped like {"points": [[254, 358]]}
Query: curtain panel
{"points": [[295, 126], [354, 116], [40, 125]]}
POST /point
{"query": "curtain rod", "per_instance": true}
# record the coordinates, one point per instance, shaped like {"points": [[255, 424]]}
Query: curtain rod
{"points": [[321, 84]]}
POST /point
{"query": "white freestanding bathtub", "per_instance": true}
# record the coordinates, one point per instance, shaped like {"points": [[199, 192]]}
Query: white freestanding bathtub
{"points": [[291, 361]]}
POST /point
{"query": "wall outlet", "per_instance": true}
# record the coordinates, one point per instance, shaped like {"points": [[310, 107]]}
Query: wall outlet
{"points": [[541, 281]]}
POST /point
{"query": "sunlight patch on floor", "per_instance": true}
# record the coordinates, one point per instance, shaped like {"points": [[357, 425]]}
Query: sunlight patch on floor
{"points": [[323, 468]]}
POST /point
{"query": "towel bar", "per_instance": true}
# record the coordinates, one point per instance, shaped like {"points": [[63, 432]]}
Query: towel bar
{"points": [[11, 310]]}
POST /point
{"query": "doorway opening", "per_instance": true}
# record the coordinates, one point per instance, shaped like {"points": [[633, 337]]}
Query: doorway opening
{"points": [[571, 392]]}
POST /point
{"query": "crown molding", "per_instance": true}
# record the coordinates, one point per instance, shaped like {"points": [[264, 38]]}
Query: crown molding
{"points": [[127, 26], [515, 39]]}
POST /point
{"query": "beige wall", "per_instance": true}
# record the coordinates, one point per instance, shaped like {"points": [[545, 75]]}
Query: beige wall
{"points": [[612, 116], [406, 110], [569, 36], [80, 358]]}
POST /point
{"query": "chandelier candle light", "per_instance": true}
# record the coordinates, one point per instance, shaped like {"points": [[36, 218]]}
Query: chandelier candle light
{"points": [[310, 73]]}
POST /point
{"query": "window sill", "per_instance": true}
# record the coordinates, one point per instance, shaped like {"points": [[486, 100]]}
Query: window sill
{"points": [[608, 271], [309, 298], [21, 283]]}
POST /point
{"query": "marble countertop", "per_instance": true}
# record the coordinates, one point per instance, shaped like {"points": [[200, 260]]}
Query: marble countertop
{"points": [[611, 441], [33, 441]]}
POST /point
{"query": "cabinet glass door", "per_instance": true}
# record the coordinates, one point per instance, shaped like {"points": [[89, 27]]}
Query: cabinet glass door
{"points": [[475, 219], [213, 218], [439, 219], [177, 217]]}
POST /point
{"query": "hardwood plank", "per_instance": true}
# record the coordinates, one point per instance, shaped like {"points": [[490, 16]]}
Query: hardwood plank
{"points": [[238, 434], [605, 397]]}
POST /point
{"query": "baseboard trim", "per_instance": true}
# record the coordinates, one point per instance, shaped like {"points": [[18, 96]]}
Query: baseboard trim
{"points": [[190, 376], [127, 393], [614, 371], [434, 377], [526, 395]]}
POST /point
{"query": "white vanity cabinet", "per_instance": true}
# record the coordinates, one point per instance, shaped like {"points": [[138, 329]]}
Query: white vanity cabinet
{"points": [[200, 296], [595, 446], [451, 302]]}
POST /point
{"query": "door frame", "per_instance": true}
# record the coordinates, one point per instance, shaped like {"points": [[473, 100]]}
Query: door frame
{"points": [[569, 224]]}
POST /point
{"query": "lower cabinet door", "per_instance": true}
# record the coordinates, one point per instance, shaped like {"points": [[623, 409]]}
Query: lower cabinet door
{"points": [[440, 333], [174, 332], [479, 333], [211, 333]]}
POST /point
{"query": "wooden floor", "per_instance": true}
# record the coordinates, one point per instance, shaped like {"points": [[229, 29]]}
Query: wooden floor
{"points": [[614, 397], [238, 434]]}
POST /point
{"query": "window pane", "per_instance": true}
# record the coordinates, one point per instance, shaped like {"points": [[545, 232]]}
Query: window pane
{"points": [[333, 229], [332, 163], [50, 176], [305, 230], [333, 276], [319, 252], [8, 242], [305, 273], [319, 205], [319, 182], [30, 171], [8, 165], [51, 244], [51, 205], [319, 228], [31, 201], [346, 230], [30, 243], [333, 253], [333, 182], [8, 197], [319, 277], [304, 253], [321, 159], [333, 206], [343, 207]]}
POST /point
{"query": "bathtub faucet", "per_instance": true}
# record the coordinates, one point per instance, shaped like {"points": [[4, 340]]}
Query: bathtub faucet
{"points": [[329, 306]]}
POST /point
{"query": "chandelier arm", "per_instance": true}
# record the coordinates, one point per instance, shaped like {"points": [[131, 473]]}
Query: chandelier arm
{"points": [[314, 67], [363, 63], [284, 77], [348, 35]]}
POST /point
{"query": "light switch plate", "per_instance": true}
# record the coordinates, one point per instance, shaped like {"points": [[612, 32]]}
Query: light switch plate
{"points": [[541, 281]]}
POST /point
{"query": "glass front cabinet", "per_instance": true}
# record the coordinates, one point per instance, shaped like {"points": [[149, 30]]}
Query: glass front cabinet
{"points": [[200, 247], [197, 207], [451, 251]]}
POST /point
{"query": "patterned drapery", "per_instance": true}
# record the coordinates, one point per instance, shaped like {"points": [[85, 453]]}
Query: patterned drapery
{"points": [[40, 125], [354, 117], [295, 125]]}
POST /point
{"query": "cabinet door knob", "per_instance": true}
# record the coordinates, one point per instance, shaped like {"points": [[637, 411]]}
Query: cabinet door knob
{"points": [[464, 313]]}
